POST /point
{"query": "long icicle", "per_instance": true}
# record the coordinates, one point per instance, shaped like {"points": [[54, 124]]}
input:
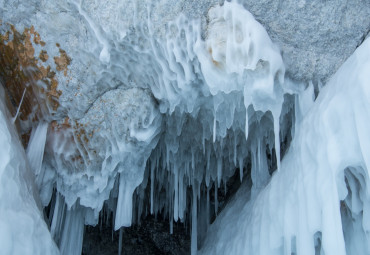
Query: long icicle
{"points": [[194, 232], [19, 106]]}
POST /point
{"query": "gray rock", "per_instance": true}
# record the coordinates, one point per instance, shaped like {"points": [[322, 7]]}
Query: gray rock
{"points": [[315, 37]]}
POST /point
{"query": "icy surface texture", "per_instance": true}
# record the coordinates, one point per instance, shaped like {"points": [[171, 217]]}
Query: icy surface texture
{"points": [[121, 128], [188, 93], [216, 111], [319, 200], [179, 105], [22, 227], [115, 137]]}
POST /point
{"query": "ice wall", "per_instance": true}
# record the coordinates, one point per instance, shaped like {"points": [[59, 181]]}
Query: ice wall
{"points": [[22, 226], [319, 200]]}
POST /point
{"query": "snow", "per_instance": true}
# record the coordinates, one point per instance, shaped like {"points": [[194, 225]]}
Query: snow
{"points": [[322, 190], [22, 227]]}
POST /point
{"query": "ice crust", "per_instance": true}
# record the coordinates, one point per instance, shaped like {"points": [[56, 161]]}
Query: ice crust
{"points": [[22, 227], [318, 202]]}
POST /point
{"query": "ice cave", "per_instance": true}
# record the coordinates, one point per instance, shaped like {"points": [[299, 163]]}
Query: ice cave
{"points": [[185, 127]]}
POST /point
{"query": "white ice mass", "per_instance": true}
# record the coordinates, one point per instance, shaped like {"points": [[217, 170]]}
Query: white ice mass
{"points": [[319, 200], [181, 114], [22, 226]]}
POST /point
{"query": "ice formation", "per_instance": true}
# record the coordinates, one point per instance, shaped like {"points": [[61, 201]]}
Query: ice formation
{"points": [[177, 116], [22, 227], [318, 202], [187, 101]]}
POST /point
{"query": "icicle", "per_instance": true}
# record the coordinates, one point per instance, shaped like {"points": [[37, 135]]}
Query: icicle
{"points": [[277, 139], [36, 146], [124, 204], [157, 158], [214, 129], [184, 200], [241, 165], [192, 160], [194, 245], [259, 163], [246, 124], [152, 187], [19, 106], [58, 216], [207, 210], [167, 157], [176, 183], [72, 238], [219, 171], [198, 190], [203, 142], [181, 198], [216, 199], [186, 169], [208, 160], [235, 152], [171, 221]]}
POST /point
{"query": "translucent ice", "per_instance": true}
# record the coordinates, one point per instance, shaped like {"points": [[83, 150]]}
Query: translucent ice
{"points": [[188, 109], [319, 201], [22, 227]]}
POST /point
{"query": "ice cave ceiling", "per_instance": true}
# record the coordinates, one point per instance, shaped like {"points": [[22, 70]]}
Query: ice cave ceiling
{"points": [[137, 108]]}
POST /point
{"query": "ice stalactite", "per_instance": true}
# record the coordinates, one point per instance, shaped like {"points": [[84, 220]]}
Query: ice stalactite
{"points": [[73, 230], [124, 204], [185, 108], [67, 225], [319, 200], [35, 149], [194, 219]]}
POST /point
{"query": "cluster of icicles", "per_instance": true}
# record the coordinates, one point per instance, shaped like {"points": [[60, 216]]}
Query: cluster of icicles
{"points": [[196, 111]]}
